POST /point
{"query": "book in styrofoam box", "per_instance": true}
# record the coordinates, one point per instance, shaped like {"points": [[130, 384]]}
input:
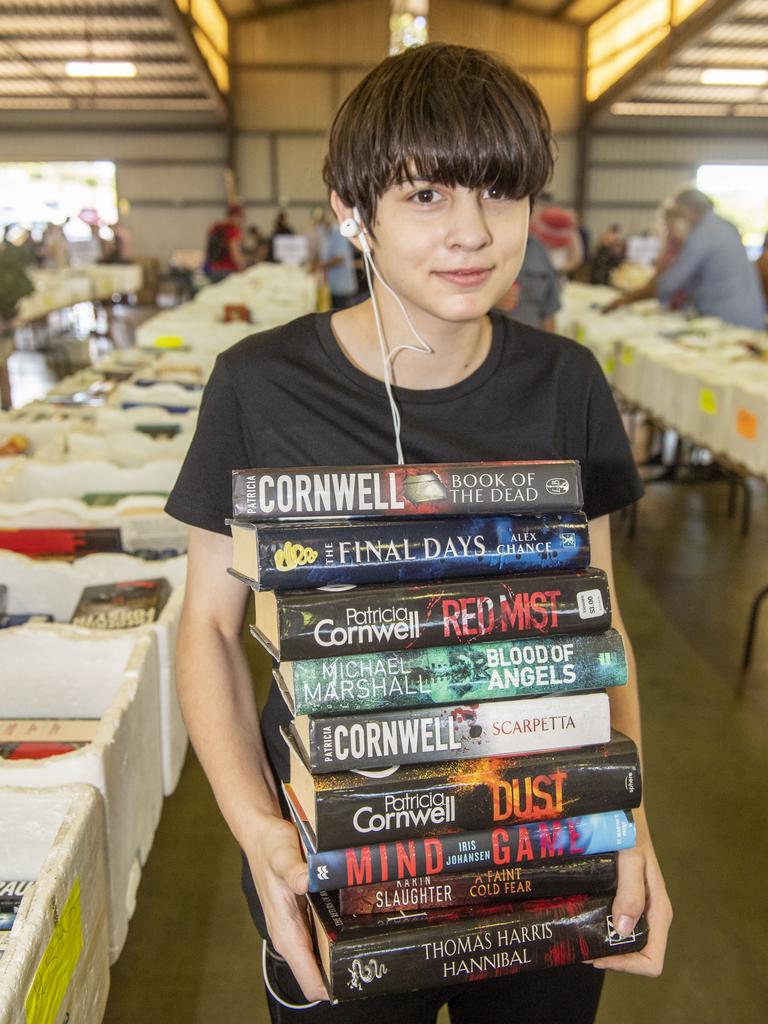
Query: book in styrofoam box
{"points": [[56, 964], [53, 587], [172, 397], [125, 448], [66, 672], [747, 433], [43, 439], [134, 525], [24, 479]]}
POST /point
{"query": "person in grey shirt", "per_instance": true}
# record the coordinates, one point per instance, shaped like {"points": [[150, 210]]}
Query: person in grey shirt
{"points": [[713, 267], [534, 298]]}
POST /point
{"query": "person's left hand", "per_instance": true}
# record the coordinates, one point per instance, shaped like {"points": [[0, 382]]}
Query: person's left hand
{"points": [[640, 888]]}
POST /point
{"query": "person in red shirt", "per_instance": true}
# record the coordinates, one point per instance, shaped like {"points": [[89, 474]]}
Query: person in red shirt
{"points": [[223, 250]]}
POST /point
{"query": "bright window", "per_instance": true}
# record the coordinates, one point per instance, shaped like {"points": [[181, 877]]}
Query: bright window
{"points": [[39, 193], [740, 194]]}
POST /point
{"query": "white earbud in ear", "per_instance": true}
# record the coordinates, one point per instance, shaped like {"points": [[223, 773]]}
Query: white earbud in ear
{"points": [[349, 228], [353, 227]]}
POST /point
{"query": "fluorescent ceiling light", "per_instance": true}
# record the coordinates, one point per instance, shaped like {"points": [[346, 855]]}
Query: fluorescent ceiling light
{"points": [[101, 69], [734, 76]]}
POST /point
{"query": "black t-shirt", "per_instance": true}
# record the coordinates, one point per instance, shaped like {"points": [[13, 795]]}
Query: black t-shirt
{"points": [[290, 397]]}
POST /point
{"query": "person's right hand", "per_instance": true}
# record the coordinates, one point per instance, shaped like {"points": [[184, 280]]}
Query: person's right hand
{"points": [[281, 877]]}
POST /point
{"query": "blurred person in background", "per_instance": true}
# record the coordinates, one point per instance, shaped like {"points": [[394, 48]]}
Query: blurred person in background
{"points": [[337, 263], [673, 245], [55, 249], [610, 252], [223, 249], [712, 267], [254, 246], [558, 231], [762, 269], [534, 298]]}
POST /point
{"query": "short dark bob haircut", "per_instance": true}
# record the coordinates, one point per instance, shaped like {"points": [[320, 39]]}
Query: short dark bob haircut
{"points": [[448, 114]]}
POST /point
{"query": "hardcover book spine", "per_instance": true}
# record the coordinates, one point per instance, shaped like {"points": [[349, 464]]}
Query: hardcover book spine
{"points": [[464, 796], [589, 876], [394, 618], [475, 946], [325, 554], [443, 675], [498, 848], [455, 732], [393, 491]]}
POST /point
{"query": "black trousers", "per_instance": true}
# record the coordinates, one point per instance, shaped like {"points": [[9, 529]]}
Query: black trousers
{"points": [[561, 995]]}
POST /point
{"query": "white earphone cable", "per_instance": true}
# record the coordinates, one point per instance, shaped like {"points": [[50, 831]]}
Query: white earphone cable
{"points": [[275, 996], [387, 357]]}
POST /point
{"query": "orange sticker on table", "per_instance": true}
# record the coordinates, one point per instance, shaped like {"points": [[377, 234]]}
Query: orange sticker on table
{"points": [[746, 424]]}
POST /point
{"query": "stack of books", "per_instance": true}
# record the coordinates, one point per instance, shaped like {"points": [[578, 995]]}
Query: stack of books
{"points": [[453, 775]]}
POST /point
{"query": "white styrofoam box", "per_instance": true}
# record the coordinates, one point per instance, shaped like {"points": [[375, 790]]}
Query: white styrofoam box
{"points": [[26, 479], [107, 420], [114, 278], [63, 672], [194, 331], [167, 396], [126, 448], [747, 435], [57, 960], [705, 402], [53, 588]]}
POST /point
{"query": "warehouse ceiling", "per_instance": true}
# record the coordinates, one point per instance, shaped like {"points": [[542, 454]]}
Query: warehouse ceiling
{"points": [[39, 37], [737, 42]]}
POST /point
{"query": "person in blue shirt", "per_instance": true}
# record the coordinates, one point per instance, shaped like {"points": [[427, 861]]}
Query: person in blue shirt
{"points": [[713, 267], [337, 260]]}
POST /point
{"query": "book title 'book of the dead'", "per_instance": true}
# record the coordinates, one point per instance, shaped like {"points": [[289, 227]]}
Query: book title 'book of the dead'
{"points": [[304, 624], [401, 952], [292, 556], [349, 808], [442, 675], [585, 876], [453, 732], [392, 491], [508, 846]]}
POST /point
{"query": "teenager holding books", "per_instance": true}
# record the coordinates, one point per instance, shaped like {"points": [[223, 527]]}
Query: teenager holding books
{"points": [[433, 162]]}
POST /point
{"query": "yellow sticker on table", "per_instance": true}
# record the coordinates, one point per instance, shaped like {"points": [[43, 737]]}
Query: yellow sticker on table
{"points": [[746, 424], [169, 341], [610, 366], [627, 355], [708, 402], [581, 333], [57, 963]]}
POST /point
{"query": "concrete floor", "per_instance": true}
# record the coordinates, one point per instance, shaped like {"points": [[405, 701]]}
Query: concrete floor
{"points": [[685, 584]]}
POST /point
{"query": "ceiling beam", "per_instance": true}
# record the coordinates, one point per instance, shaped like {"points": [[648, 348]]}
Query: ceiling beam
{"points": [[78, 36], [181, 28], [680, 36], [81, 12], [262, 13]]}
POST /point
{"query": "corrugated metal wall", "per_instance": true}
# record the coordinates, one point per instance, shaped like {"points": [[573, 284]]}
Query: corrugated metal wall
{"points": [[631, 171]]}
